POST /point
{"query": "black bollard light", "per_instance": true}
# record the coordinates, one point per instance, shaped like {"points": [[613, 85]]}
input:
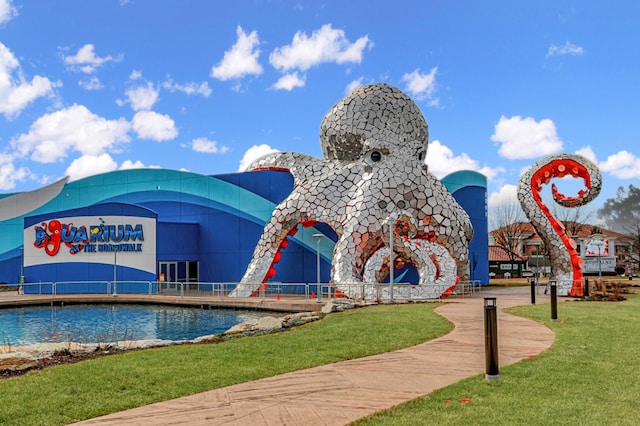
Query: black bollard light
{"points": [[554, 301], [491, 338], [533, 291], [586, 287]]}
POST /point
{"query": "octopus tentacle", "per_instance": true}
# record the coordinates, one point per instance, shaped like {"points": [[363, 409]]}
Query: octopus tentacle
{"points": [[300, 165], [436, 269], [566, 264]]}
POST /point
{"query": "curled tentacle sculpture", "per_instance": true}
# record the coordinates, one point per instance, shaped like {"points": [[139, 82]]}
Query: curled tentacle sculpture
{"points": [[566, 264], [373, 177], [436, 268]]}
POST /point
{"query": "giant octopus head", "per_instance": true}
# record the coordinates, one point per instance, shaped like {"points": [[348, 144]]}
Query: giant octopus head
{"points": [[372, 120]]}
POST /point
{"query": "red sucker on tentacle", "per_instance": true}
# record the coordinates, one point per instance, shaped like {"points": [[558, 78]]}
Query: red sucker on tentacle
{"points": [[448, 291], [275, 169], [428, 236], [436, 263], [271, 272], [337, 293]]}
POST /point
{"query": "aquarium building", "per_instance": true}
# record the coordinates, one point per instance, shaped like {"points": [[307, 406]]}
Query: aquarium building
{"points": [[143, 226]]}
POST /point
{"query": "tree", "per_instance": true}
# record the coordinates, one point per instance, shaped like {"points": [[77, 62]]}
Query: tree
{"points": [[508, 222], [632, 234], [621, 211], [573, 218], [622, 214]]}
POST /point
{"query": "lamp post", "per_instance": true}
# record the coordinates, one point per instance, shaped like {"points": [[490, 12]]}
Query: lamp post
{"points": [[491, 339], [391, 257], [21, 277], [597, 237], [537, 266], [318, 237], [554, 300], [599, 240], [599, 262], [115, 273], [401, 204]]}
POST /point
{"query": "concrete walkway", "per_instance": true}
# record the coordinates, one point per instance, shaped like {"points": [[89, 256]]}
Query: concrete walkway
{"points": [[340, 393]]}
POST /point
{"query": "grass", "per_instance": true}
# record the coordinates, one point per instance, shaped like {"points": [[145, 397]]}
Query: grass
{"points": [[68, 393], [590, 376]]}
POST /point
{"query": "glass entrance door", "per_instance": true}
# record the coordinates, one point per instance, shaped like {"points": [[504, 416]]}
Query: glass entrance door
{"points": [[174, 274], [167, 272]]}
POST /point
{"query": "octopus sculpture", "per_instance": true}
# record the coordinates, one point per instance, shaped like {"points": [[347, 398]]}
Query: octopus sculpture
{"points": [[374, 190], [566, 263]]}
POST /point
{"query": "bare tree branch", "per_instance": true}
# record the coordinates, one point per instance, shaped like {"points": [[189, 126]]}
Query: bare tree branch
{"points": [[574, 219], [509, 224]]}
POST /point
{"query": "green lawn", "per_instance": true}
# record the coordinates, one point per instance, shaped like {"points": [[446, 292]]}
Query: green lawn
{"points": [[63, 394], [590, 376]]}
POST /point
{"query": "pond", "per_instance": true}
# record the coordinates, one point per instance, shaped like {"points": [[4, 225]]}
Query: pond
{"points": [[108, 323]]}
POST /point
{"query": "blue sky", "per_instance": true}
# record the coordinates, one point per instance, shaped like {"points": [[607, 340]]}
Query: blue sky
{"points": [[207, 86]]}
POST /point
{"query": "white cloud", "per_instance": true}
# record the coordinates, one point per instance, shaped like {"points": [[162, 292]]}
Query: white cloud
{"points": [[16, 93], [191, 88], [128, 164], [567, 48], [442, 162], [208, 147], [7, 11], [92, 83], [506, 195], [154, 126], [241, 60], [142, 98], [9, 175], [74, 128], [253, 153], [290, 81], [135, 75], [525, 138], [324, 45], [353, 85], [86, 61], [88, 165], [588, 153], [422, 86], [622, 165]]}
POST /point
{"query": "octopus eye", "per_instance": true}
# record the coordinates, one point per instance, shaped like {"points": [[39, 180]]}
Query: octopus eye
{"points": [[372, 157], [421, 155]]}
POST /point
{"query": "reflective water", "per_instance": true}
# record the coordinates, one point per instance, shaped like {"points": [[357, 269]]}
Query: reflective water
{"points": [[110, 323]]}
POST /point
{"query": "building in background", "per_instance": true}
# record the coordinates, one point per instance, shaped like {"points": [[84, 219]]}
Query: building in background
{"points": [[604, 252], [469, 188]]}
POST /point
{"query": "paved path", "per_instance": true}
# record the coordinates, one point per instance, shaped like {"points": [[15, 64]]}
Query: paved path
{"points": [[340, 393]]}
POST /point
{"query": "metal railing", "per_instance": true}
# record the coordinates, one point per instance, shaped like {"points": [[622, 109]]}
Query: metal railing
{"points": [[378, 292]]}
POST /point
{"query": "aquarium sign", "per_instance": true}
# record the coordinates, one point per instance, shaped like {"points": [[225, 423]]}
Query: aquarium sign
{"points": [[54, 234]]}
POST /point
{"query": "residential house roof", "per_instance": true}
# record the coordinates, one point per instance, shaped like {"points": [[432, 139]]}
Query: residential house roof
{"points": [[498, 254]]}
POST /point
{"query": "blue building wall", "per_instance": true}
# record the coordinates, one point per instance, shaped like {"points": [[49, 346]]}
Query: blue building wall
{"points": [[470, 191], [215, 220]]}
